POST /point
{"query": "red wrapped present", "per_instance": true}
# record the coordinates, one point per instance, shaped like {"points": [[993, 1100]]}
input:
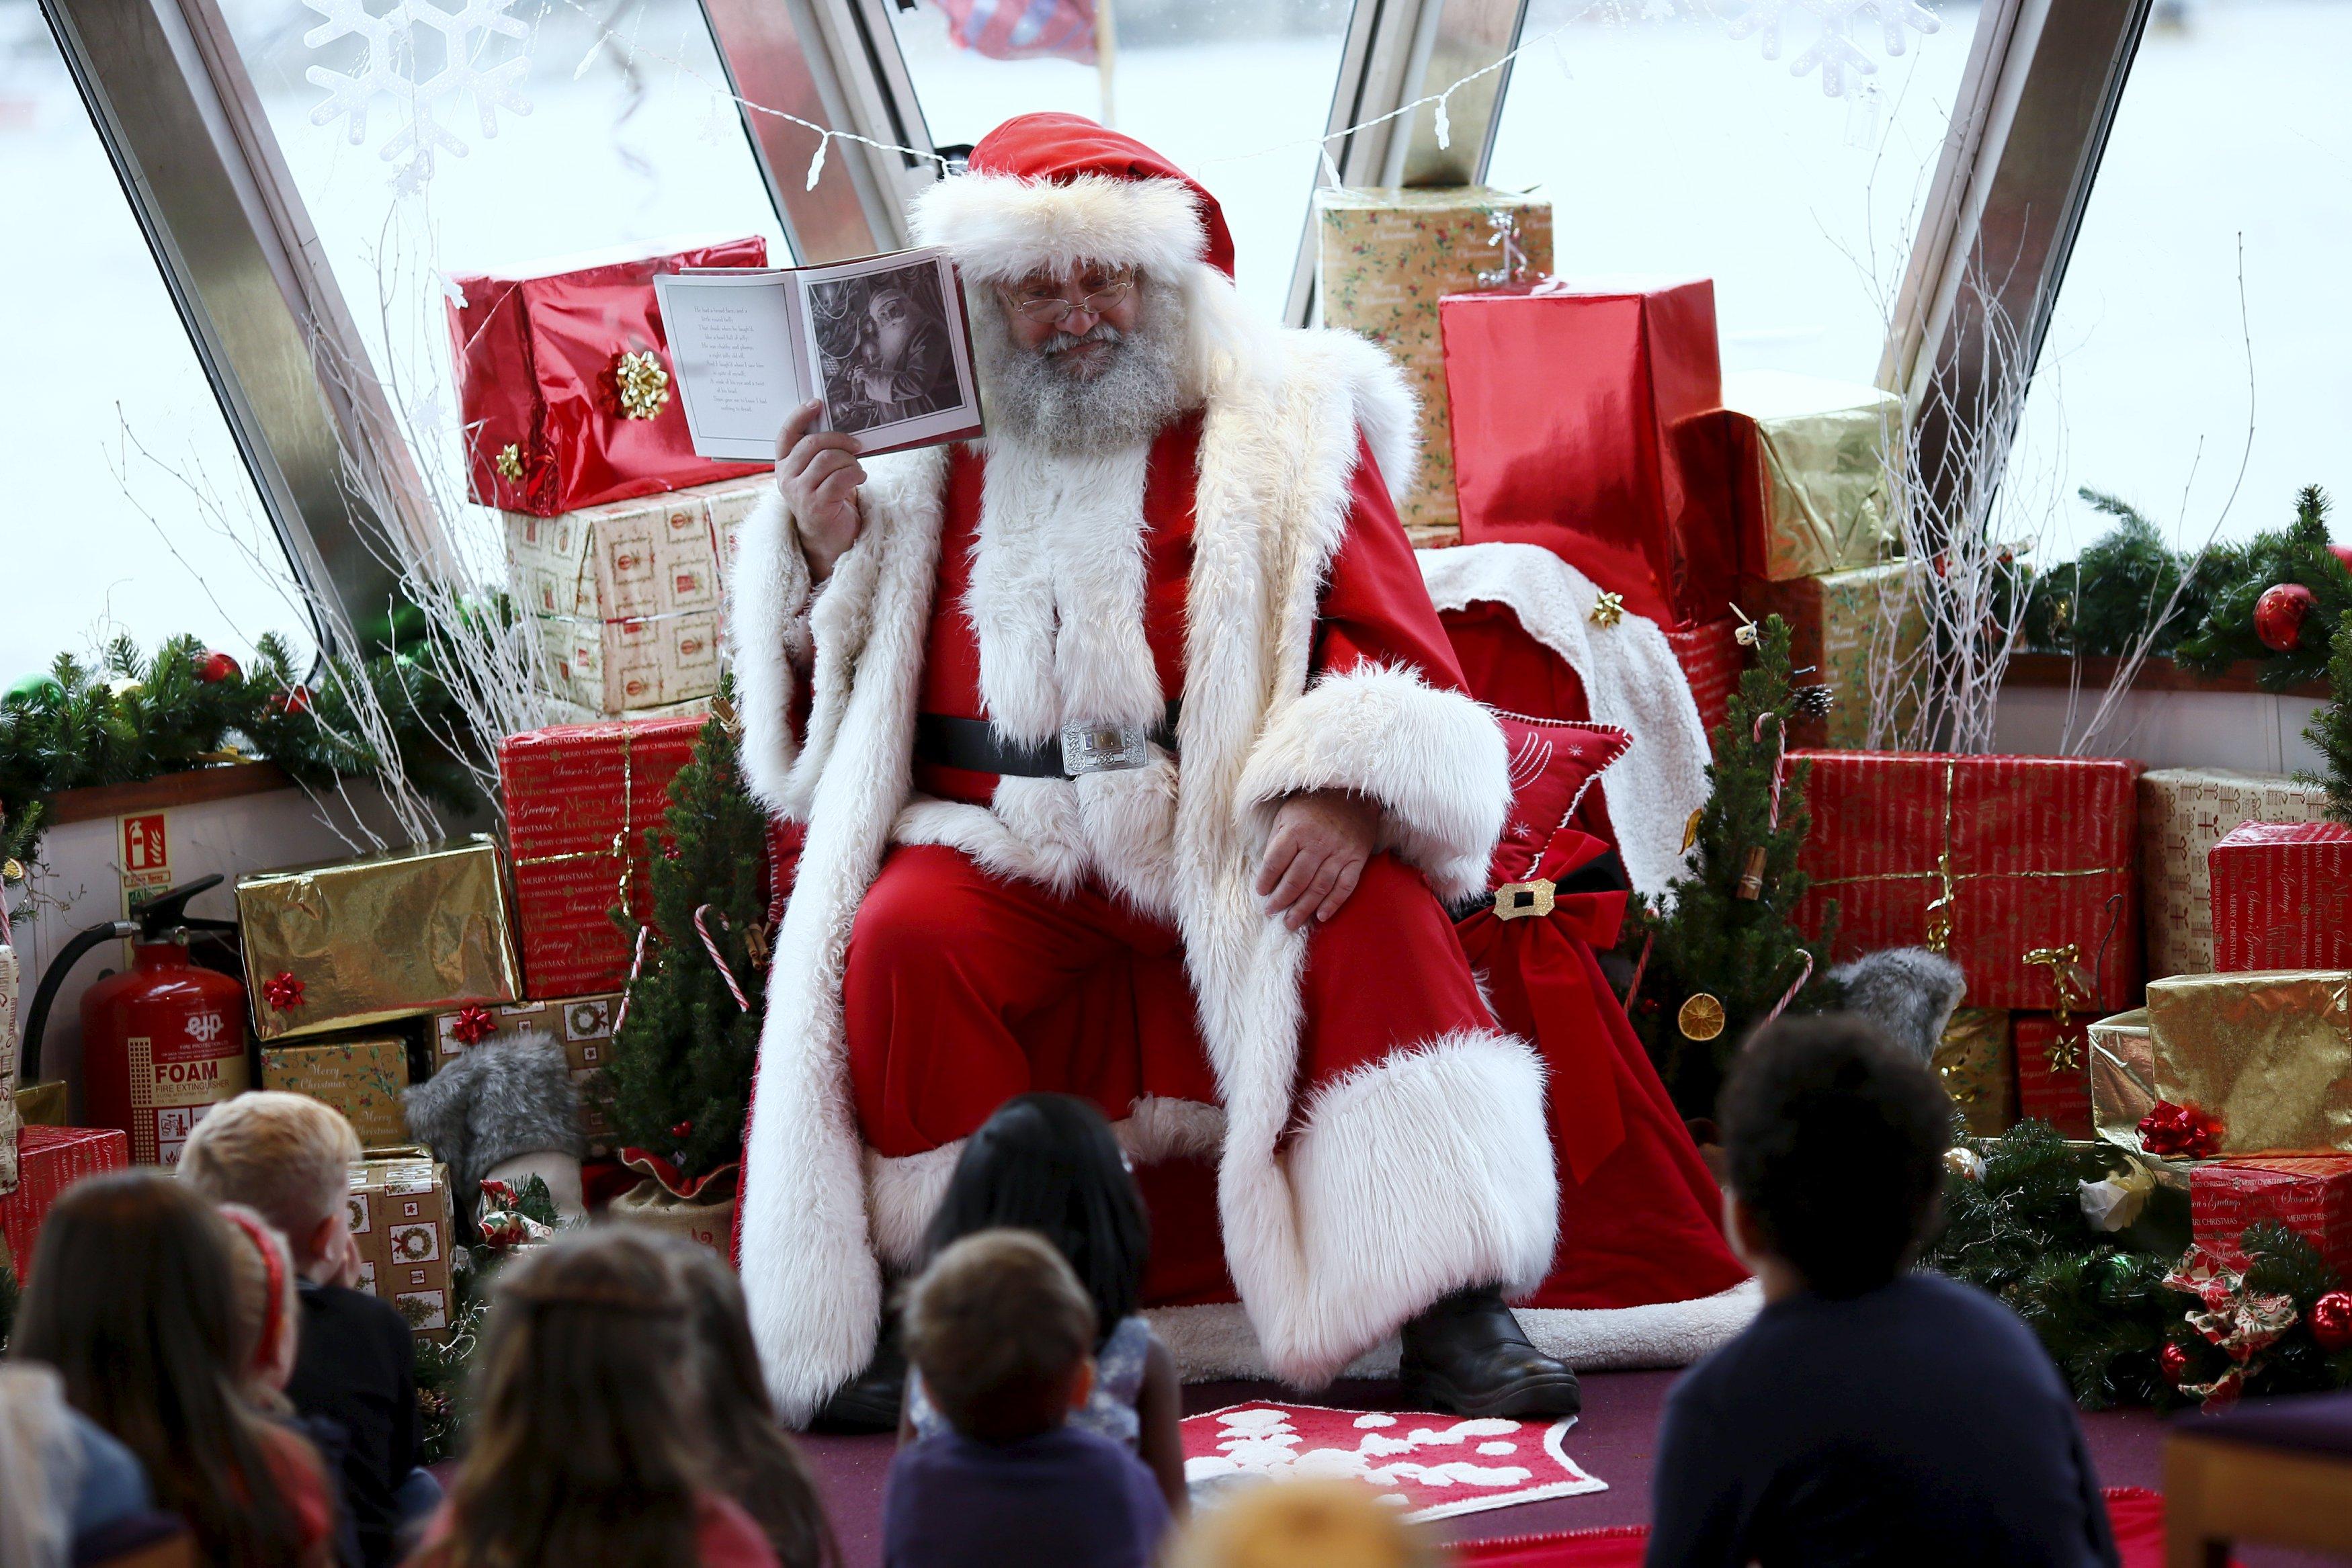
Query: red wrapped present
{"points": [[2053, 1072], [566, 387], [1585, 421], [2282, 896], [579, 799], [1709, 655], [2311, 1194], [48, 1161], [2004, 863]]}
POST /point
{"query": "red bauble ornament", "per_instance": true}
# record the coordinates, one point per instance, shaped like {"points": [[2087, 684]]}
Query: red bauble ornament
{"points": [[293, 699], [2331, 1320], [682, 1132], [472, 1024], [2173, 1361], [2279, 614], [282, 991], [215, 667], [2342, 553]]}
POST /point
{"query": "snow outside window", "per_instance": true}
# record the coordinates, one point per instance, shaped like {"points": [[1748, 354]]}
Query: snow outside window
{"points": [[2232, 126], [1668, 145], [1234, 91], [129, 508], [431, 140]]}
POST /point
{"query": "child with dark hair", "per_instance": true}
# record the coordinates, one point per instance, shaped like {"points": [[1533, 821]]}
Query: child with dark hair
{"points": [[1048, 1163], [1868, 1415], [751, 1459], [132, 1299], [1002, 1332]]}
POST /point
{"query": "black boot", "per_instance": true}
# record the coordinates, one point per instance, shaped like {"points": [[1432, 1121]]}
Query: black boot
{"points": [[870, 1401], [1466, 1355]]}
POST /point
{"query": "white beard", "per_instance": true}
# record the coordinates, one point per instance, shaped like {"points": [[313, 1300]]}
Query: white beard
{"points": [[1031, 398]]}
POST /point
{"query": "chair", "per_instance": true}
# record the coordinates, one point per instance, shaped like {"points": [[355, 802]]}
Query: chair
{"points": [[2278, 1471]]}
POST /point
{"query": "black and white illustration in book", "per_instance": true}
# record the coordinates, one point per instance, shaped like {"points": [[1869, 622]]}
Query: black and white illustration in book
{"points": [[883, 347]]}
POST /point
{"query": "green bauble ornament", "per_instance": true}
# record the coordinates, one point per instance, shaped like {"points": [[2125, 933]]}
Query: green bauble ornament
{"points": [[34, 688]]}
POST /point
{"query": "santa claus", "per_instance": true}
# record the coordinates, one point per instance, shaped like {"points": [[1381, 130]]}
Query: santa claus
{"points": [[1134, 762]]}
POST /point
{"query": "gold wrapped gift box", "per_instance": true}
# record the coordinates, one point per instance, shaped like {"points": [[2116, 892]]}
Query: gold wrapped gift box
{"points": [[1974, 1062], [1840, 625], [384, 936], [2122, 1063], [2267, 1052], [1815, 464], [1386, 257]]}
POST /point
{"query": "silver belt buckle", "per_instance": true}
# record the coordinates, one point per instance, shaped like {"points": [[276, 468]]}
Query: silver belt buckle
{"points": [[1096, 747]]}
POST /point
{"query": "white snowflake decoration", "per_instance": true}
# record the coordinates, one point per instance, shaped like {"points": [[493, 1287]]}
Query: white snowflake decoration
{"points": [[390, 72], [1834, 49]]}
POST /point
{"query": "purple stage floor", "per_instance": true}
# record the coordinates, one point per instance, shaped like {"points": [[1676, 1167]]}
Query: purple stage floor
{"points": [[1614, 1441]]}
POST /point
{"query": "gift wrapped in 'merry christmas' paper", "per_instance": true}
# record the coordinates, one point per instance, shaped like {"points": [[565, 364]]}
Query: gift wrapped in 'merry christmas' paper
{"points": [[2266, 1055], [2282, 896], [48, 1161], [1814, 468], [1385, 257], [2184, 812], [388, 935], [2054, 1076], [579, 800], [2122, 1061], [566, 385], [2309, 1194], [1586, 421], [626, 595], [1854, 631], [1710, 657], [360, 1077], [2003, 863], [1975, 1064], [400, 1219]]}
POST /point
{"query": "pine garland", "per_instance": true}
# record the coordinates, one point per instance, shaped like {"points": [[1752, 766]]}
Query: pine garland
{"points": [[129, 717], [2098, 1301], [2299, 555], [1703, 937], [679, 1081], [2101, 604]]}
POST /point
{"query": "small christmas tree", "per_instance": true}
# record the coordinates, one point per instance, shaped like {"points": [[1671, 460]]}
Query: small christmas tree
{"points": [[1722, 950], [2301, 557], [679, 1083]]}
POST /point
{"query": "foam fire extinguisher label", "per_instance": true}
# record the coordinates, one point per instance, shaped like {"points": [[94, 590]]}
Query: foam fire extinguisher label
{"points": [[174, 1082]]}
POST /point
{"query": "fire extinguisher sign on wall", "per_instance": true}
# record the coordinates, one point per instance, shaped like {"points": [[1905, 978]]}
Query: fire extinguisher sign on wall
{"points": [[144, 842]]}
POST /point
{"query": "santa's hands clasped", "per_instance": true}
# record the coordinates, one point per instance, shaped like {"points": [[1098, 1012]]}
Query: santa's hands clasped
{"points": [[819, 474], [1316, 854]]}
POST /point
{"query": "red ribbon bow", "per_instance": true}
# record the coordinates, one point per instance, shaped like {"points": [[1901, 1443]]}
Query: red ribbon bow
{"points": [[1542, 985], [473, 1024], [2183, 1132], [282, 991]]}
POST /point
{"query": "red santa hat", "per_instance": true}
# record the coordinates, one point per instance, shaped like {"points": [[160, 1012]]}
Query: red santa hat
{"points": [[1049, 191]]}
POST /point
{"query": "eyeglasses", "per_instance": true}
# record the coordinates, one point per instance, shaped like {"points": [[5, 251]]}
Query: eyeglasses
{"points": [[1053, 309]]}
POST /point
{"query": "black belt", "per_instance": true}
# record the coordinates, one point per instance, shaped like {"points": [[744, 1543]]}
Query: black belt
{"points": [[974, 746]]}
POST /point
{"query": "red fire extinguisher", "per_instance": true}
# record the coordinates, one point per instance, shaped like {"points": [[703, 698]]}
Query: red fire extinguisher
{"points": [[161, 1044]]}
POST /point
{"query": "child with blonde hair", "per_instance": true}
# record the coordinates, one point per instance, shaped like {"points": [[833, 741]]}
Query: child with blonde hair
{"points": [[1306, 1524], [287, 1158]]}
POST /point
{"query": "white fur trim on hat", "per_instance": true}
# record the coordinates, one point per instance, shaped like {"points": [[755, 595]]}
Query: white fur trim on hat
{"points": [[1000, 227]]}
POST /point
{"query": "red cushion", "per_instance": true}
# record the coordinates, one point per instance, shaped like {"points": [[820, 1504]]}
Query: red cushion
{"points": [[1554, 762]]}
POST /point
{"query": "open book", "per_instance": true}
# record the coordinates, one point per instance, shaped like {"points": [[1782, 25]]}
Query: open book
{"points": [[882, 341]]}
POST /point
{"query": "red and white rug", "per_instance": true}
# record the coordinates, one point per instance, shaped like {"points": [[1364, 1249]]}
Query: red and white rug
{"points": [[1435, 1467]]}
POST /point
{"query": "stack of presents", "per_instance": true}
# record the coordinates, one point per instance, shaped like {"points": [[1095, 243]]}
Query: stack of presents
{"points": [[1589, 418]]}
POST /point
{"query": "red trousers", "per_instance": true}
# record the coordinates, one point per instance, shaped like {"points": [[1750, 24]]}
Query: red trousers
{"points": [[964, 988]]}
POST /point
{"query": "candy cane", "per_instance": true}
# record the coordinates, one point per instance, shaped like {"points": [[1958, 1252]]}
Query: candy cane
{"points": [[1791, 995], [636, 967], [710, 945]]}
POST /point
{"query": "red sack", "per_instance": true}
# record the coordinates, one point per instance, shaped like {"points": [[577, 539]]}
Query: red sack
{"points": [[555, 418], [1585, 421]]}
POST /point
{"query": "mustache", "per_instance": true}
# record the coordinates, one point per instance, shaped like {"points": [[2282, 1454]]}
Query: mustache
{"points": [[1063, 342]]}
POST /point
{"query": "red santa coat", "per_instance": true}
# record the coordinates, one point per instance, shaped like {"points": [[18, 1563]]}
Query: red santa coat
{"points": [[1410, 1183]]}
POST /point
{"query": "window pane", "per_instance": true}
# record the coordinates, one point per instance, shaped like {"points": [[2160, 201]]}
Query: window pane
{"points": [[129, 509], [1668, 146], [2231, 125], [1210, 84], [611, 128]]}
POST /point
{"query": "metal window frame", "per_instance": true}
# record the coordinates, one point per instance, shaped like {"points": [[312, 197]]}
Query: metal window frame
{"points": [[181, 123]]}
